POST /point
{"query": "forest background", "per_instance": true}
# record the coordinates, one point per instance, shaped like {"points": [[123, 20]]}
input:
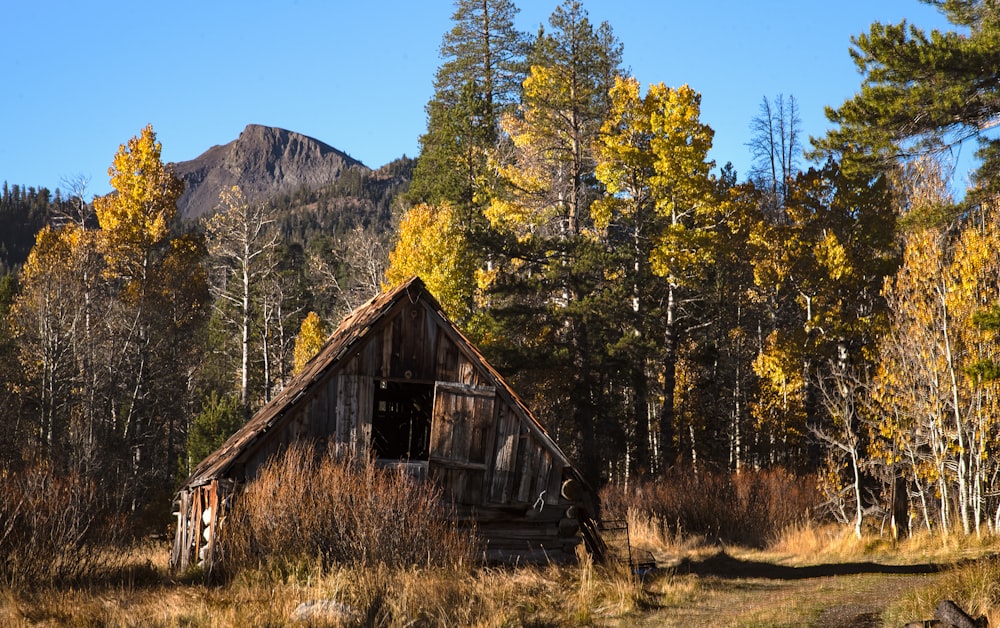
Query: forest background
{"points": [[833, 312]]}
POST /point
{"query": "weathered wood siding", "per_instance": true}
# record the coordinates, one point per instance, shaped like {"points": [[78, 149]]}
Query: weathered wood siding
{"points": [[197, 522], [461, 436], [492, 462]]}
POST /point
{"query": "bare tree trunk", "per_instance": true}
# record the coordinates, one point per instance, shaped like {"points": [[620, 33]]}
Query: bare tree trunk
{"points": [[963, 494], [640, 417], [670, 341]]}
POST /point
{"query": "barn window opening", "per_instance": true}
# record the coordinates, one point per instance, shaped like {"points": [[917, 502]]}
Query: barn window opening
{"points": [[401, 420]]}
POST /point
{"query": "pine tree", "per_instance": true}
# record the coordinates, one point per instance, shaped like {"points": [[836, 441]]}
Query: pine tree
{"points": [[545, 283], [479, 81], [922, 91]]}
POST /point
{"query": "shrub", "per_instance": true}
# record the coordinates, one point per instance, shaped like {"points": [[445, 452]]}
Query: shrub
{"points": [[304, 505], [748, 508], [220, 416], [56, 527]]}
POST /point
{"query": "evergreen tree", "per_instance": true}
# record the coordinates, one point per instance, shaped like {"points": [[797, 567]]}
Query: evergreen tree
{"points": [[220, 417], [545, 283], [923, 91], [478, 82]]}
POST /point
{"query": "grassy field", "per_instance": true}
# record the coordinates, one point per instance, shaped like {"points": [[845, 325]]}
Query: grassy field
{"points": [[818, 576]]}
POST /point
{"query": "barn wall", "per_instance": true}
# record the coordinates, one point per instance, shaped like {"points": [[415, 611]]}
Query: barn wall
{"points": [[197, 524], [492, 463]]}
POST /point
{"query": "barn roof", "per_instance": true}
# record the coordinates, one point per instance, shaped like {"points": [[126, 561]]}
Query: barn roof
{"points": [[348, 336]]}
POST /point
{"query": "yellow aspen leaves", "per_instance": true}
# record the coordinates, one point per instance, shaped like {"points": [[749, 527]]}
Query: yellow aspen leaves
{"points": [[432, 245], [136, 217], [312, 336]]}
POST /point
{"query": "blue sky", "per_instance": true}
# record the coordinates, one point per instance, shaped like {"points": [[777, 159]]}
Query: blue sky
{"points": [[80, 78]]}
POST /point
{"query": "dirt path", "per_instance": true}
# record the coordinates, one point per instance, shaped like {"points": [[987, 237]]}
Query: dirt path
{"points": [[724, 591], [865, 608]]}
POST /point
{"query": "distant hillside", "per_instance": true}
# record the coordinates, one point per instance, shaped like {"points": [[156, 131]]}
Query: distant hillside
{"points": [[318, 192], [358, 198], [267, 163]]}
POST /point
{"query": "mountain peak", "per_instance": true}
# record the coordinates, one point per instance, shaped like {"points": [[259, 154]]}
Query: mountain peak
{"points": [[265, 162]]}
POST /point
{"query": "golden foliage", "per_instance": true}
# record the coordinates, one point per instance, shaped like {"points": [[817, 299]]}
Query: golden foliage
{"points": [[136, 217], [432, 245], [312, 336]]}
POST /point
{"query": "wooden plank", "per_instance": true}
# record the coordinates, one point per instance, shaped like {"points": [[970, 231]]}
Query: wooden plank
{"points": [[410, 356], [394, 337], [483, 427], [448, 463], [366, 358], [332, 426], [347, 412], [341, 419], [527, 556], [386, 355], [181, 553], [467, 372], [473, 492], [472, 410], [431, 335], [504, 455], [446, 360], [553, 491], [518, 470], [442, 428], [456, 481], [365, 395], [542, 477], [527, 468], [199, 508], [213, 505]]}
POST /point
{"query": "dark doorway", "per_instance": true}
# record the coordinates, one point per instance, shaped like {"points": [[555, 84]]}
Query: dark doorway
{"points": [[401, 421]]}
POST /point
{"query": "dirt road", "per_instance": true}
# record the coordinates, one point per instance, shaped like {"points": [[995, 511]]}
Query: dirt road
{"points": [[724, 591]]}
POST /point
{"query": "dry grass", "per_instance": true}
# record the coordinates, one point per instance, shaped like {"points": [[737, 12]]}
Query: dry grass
{"points": [[814, 543], [743, 509], [541, 596], [57, 527], [454, 591], [423, 596], [346, 512], [975, 587]]}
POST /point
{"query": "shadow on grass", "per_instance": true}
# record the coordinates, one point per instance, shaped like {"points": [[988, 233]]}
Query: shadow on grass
{"points": [[722, 565]]}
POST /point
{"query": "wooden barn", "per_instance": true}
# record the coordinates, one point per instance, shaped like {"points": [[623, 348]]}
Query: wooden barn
{"points": [[397, 380]]}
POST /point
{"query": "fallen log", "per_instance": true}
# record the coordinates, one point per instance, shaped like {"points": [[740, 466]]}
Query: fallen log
{"points": [[949, 613]]}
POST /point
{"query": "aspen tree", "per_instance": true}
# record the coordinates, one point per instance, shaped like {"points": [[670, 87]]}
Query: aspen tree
{"points": [[431, 244], [241, 241], [310, 339]]}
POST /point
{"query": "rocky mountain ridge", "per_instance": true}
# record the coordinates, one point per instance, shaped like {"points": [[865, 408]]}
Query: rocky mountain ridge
{"points": [[266, 162]]}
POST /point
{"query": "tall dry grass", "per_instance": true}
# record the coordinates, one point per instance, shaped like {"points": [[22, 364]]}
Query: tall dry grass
{"points": [[749, 508], [548, 595], [57, 528], [304, 505]]}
